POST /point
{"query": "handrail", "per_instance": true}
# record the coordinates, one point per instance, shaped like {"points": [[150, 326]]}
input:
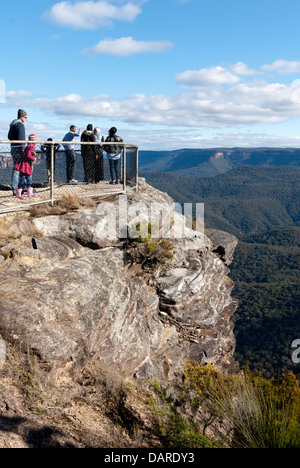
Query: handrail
{"points": [[73, 142], [128, 174]]}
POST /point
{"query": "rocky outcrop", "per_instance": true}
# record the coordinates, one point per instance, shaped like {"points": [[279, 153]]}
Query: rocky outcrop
{"points": [[224, 244], [75, 294]]}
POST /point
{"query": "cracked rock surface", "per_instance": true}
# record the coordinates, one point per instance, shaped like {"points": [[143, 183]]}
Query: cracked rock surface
{"points": [[69, 294]]}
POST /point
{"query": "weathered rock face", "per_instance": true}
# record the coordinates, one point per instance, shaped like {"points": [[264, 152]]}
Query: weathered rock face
{"points": [[74, 296]]}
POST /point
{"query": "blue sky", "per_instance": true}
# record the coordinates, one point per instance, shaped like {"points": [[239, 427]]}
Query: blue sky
{"points": [[167, 73]]}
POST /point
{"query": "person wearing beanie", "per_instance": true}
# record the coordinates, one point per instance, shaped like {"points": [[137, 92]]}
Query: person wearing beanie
{"points": [[24, 167], [113, 154], [22, 113], [17, 133], [88, 154]]}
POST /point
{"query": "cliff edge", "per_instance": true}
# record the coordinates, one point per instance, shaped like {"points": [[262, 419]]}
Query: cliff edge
{"points": [[79, 290]]}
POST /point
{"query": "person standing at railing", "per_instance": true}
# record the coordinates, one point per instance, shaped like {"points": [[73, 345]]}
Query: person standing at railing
{"points": [[70, 154], [99, 168], [88, 153], [17, 132], [24, 167], [47, 149], [113, 154]]}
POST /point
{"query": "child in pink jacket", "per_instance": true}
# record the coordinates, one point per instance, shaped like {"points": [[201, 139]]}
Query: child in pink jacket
{"points": [[24, 166]]}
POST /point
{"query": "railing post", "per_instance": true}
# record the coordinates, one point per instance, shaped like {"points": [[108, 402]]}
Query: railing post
{"points": [[137, 170], [52, 175], [124, 168]]}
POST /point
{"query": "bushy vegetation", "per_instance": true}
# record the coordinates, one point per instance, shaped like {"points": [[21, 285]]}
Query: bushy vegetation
{"points": [[147, 248], [174, 429], [242, 410]]}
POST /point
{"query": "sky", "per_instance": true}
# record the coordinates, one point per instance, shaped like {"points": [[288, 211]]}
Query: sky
{"points": [[169, 74]]}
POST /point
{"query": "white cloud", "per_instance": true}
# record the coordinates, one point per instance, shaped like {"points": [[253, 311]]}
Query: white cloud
{"points": [[242, 69], [127, 46], [242, 104], [175, 139], [212, 106], [2, 91], [21, 94], [90, 14], [282, 67], [233, 73], [207, 77]]}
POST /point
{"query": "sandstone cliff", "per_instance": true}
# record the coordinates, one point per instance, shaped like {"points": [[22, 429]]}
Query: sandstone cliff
{"points": [[71, 294]]}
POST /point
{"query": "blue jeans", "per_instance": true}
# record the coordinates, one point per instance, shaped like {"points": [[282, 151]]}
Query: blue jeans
{"points": [[114, 169], [70, 164], [25, 181], [16, 153]]}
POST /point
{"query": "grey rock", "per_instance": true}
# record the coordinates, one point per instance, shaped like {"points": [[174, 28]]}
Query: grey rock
{"points": [[74, 297], [224, 244]]}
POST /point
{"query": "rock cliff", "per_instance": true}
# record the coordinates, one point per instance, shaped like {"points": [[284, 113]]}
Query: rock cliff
{"points": [[77, 290]]}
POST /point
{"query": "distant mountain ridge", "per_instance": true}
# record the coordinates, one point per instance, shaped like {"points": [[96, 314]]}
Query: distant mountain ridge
{"points": [[245, 200], [201, 163]]}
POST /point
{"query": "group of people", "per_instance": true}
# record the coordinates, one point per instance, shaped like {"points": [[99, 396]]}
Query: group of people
{"points": [[92, 155]]}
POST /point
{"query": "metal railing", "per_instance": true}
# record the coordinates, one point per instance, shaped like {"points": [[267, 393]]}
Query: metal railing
{"points": [[92, 172]]}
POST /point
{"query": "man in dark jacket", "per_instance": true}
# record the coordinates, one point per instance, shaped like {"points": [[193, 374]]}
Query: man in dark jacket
{"points": [[113, 154], [47, 149], [17, 132], [88, 153]]}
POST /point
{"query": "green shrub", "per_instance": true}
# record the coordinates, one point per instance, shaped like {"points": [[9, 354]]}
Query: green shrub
{"points": [[262, 413], [175, 430], [150, 251]]}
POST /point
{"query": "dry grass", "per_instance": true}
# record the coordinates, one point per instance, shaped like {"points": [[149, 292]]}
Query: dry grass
{"points": [[7, 232], [67, 203], [16, 228], [78, 406]]}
